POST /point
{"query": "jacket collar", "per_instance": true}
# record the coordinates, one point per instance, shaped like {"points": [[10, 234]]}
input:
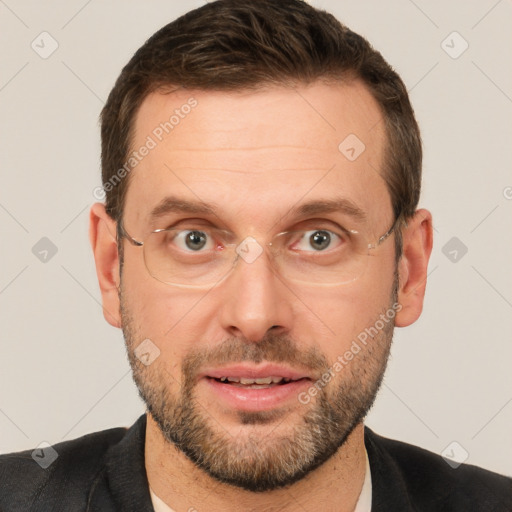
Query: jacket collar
{"points": [[389, 491], [124, 484]]}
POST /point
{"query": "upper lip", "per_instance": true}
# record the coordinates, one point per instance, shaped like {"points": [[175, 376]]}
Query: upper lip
{"points": [[255, 372]]}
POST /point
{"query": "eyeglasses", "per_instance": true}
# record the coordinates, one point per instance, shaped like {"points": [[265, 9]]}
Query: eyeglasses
{"points": [[199, 256]]}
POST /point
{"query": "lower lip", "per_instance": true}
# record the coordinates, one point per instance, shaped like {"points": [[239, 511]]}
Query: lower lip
{"points": [[263, 399]]}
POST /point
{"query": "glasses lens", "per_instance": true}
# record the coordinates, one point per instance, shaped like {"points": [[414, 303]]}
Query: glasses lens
{"points": [[324, 257], [202, 257], [186, 257]]}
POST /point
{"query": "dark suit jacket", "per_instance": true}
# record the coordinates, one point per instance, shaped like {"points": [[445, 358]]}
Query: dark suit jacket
{"points": [[105, 472]]}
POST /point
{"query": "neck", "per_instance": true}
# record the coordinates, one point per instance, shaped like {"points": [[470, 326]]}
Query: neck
{"points": [[333, 487]]}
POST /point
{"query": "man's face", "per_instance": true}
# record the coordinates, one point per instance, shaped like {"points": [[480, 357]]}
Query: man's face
{"points": [[256, 158]]}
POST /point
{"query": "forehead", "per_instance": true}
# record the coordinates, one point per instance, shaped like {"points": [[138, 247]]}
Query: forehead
{"points": [[259, 151]]}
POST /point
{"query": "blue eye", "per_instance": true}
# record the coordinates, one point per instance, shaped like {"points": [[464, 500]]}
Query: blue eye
{"points": [[317, 240], [193, 240], [320, 240]]}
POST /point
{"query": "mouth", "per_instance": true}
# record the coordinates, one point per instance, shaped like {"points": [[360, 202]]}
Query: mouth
{"points": [[255, 388], [258, 383]]}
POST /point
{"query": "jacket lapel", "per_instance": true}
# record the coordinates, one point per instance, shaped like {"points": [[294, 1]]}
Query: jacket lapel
{"points": [[389, 492], [123, 485]]}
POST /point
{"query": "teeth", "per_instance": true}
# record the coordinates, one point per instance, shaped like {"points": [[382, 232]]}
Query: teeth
{"points": [[250, 381]]}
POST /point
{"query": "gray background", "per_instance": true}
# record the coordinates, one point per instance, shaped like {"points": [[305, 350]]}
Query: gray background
{"points": [[63, 370]]}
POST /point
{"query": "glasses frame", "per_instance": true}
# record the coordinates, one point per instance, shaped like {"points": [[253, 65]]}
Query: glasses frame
{"points": [[122, 233]]}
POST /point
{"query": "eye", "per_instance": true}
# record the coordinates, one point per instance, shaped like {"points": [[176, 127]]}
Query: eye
{"points": [[193, 240], [318, 240]]}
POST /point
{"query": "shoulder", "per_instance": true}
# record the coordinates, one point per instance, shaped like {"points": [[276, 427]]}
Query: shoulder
{"points": [[431, 483], [67, 468]]}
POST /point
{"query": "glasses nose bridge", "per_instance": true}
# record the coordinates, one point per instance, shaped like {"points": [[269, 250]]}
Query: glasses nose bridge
{"points": [[251, 249]]}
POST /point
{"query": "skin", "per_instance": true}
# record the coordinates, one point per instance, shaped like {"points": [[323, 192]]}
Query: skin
{"points": [[243, 151]]}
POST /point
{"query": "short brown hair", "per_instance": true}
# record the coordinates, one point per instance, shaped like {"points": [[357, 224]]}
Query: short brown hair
{"points": [[234, 45]]}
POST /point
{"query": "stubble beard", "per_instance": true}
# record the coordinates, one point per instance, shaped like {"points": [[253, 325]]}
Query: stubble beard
{"points": [[261, 459]]}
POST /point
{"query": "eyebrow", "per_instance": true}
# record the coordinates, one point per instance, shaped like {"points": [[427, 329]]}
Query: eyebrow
{"points": [[340, 204], [172, 204]]}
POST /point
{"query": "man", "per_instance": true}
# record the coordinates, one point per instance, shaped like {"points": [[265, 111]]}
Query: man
{"points": [[259, 242]]}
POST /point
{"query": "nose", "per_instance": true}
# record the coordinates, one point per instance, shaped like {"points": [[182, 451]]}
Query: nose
{"points": [[255, 300]]}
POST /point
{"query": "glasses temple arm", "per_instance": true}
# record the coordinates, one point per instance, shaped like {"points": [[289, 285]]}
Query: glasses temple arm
{"points": [[122, 233]]}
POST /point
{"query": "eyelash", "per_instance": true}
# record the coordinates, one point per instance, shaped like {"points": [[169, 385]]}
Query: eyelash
{"points": [[337, 238], [309, 225]]}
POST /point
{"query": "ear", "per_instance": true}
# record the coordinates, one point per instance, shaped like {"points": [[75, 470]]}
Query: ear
{"points": [[412, 268], [102, 235]]}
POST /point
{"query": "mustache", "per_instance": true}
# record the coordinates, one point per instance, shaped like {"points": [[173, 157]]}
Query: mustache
{"points": [[272, 348]]}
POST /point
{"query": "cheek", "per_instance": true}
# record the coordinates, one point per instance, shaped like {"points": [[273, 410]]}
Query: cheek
{"points": [[166, 315], [354, 308]]}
